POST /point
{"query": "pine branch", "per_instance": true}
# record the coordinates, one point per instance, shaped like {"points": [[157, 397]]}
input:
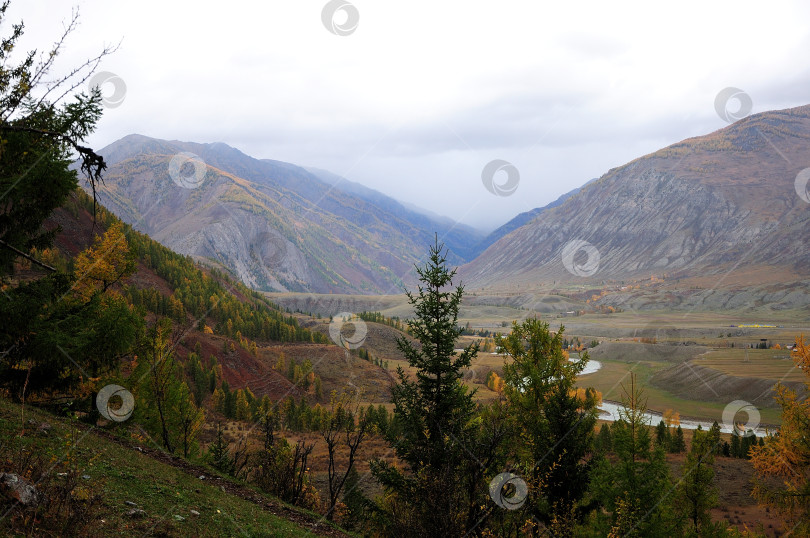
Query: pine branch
{"points": [[92, 163], [26, 256]]}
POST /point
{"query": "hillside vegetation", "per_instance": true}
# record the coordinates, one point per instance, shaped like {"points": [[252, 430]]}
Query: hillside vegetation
{"points": [[276, 226], [103, 485]]}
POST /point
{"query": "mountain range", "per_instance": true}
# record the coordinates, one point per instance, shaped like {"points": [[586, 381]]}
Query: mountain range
{"points": [[725, 207], [275, 225]]}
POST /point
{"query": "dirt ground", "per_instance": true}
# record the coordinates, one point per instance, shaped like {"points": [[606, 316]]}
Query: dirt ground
{"points": [[732, 477]]}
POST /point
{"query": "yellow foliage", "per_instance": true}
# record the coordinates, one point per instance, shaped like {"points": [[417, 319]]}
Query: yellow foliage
{"points": [[786, 456], [803, 360], [581, 394], [242, 406], [672, 418], [495, 382], [105, 263], [281, 363], [218, 400]]}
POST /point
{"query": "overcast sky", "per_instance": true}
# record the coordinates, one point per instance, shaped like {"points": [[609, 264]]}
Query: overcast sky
{"points": [[417, 97]]}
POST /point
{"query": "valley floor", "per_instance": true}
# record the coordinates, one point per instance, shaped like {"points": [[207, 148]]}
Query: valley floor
{"points": [[694, 363]]}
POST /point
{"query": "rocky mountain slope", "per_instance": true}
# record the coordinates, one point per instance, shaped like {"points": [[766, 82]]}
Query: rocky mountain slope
{"points": [[518, 221], [275, 225], [724, 208], [462, 240]]}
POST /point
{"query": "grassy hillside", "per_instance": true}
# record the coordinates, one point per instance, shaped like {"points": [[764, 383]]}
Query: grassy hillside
{"points": [[91, 477]]}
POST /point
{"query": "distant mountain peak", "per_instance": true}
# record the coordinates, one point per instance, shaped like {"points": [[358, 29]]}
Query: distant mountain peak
{"points": [[276, 225], [707, 205]]}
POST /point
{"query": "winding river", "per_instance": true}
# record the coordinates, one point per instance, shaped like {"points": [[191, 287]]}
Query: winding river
{"points": [[609, 410]]}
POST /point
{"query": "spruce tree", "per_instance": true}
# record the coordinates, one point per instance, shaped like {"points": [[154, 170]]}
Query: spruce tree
{"points": [[714, 438], [662, 436], [678, 444], [747, 441], [735, 444], [434, 413], [40, 137], [355, 501], [79, 314], [218, 453], [604, 440]]}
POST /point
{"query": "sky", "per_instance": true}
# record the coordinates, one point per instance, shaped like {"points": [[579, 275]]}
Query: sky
{"points": [[416, 99]]}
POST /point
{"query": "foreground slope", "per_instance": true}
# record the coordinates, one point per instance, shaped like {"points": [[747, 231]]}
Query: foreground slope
{"points": [[722, 207], [114, 487]]}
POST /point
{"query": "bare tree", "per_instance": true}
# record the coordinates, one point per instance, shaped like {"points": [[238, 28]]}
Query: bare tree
{"points": [[340, 430], [299, 468]]}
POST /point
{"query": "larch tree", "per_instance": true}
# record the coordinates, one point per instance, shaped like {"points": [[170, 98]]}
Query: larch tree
{"points": [[785, 455], [696, 494], [555, 421], [65, 328], [156, 369], [637, 488], [189, 420], [242, 406], [108, 261]]}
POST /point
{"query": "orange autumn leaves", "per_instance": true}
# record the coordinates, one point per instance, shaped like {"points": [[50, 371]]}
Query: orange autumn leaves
{"points": [[495, 383], [100, 266], [786, 455]]}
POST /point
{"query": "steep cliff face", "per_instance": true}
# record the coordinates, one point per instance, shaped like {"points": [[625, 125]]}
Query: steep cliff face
{"points": [[713, 205], [275, 225]]}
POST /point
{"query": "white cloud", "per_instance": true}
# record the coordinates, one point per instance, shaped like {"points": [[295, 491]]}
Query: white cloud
{"points": [[423, 94]]}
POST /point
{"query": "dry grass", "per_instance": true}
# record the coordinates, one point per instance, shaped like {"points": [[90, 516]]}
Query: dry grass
{"points": [[760, 363], [609, 379], [339, 370]]}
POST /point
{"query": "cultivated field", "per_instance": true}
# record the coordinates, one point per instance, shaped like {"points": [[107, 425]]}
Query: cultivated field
{"points": [[693, 362], [775, 364]]}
